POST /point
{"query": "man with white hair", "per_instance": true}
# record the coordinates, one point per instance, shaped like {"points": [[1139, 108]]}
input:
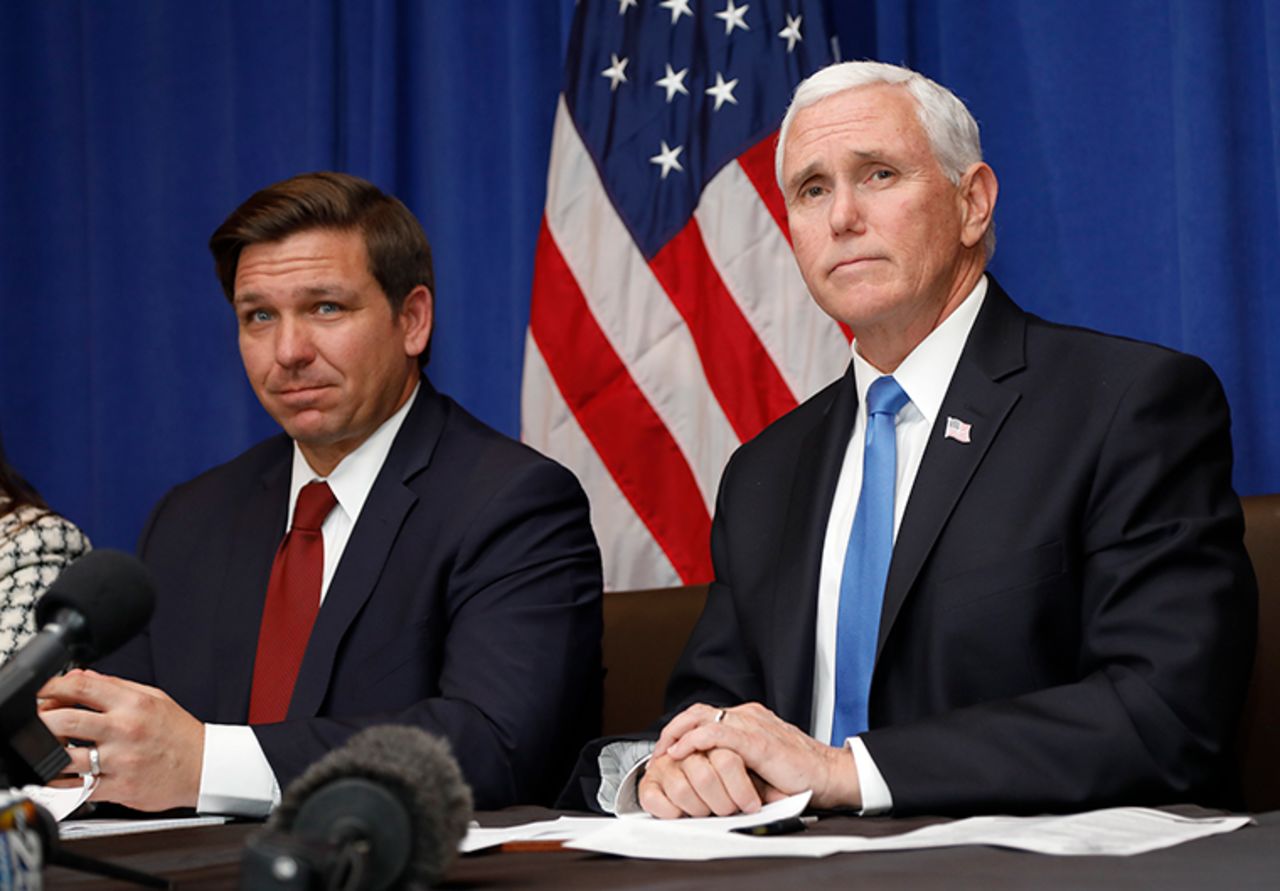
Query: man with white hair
{"points": [[998, 565]]}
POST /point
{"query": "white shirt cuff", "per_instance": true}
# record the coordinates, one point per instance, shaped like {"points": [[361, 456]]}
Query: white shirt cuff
{"points": [[876, 797], [620, 766], [235, 776]]}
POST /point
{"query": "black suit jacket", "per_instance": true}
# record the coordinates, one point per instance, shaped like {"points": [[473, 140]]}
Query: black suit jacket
{"points": [[467, 602], [1069, 615]]}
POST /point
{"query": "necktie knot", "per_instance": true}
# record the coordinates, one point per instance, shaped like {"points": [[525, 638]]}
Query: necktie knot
{"points": [[885, 396], [314, 503]]}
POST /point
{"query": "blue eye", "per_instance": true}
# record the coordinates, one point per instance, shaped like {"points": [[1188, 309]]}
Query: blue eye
{"points": [[328, 309]]}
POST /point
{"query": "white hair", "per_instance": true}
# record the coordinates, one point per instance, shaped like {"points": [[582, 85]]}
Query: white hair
{"points": [[951, 129]]}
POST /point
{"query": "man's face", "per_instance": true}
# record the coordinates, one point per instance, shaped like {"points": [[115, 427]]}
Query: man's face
{"points": [[326, 355], [878, 230]]}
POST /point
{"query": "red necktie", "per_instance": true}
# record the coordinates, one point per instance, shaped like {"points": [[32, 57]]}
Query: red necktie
{"points": [[293, 599]]}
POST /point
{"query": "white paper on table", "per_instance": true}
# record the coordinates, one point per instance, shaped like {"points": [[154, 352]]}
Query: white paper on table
{"points": [[669, 840], [62, 802], [573, 828], [1111, 832], [791, 806], [100, 828], [478, 837]]}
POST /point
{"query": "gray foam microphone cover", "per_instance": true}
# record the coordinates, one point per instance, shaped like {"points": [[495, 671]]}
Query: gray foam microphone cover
{"points": [[416, 767]]}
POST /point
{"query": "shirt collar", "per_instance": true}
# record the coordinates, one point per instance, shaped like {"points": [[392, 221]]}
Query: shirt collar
{"points": [[352, 480], [925, 374]]}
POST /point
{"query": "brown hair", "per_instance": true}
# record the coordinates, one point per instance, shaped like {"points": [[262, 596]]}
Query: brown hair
{"points": [[399, 255]]}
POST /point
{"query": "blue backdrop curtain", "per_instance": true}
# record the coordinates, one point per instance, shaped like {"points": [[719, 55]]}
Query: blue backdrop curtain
{"points": [[1136, 146]]}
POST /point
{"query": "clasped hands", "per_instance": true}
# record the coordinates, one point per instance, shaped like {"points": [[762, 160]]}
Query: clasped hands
{"points": [[711, 761], [150, 749]]}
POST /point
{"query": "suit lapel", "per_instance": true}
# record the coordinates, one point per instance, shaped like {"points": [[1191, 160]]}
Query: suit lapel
{"points": [[368, 548], [256, 535], [995, 349], [795, 600]]}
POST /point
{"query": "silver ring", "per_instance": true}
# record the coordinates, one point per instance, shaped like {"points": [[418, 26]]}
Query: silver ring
{"points": [[95, 762], [720, 715]]}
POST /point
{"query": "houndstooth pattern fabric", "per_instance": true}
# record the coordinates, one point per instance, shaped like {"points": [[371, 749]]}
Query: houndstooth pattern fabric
{"points": [[34, 547]]}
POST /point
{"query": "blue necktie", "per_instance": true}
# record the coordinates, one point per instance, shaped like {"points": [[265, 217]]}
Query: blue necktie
{"points": [[866, 563]]}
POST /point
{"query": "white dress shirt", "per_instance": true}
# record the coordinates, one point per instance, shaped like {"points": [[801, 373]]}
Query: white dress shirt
{"points": [[925, 374], [235, 777]]}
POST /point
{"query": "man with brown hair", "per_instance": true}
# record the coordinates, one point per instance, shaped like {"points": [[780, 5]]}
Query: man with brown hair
{"points": [[432, 572]]}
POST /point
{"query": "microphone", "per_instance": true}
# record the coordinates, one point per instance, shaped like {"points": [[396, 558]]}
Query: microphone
{"points": [[386, 810], [93, 606]]}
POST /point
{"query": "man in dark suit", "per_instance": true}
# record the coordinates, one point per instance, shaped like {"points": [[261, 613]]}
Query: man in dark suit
{"points": [[438, 574], [1019, 585]]}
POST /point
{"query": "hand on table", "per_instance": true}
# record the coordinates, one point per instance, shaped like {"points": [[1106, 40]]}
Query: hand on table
{"points": [[707, 764], [150, 749]]}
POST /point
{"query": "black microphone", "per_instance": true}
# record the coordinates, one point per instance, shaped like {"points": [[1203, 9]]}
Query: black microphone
{"points": [[386, 810], [93, 606]]}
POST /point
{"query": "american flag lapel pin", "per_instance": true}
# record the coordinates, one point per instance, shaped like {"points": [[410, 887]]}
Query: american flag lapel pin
{"points": [[957, 430]]}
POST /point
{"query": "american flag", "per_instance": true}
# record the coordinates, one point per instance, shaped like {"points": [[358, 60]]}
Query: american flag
{"points": [[957, 430], [669, 322]]}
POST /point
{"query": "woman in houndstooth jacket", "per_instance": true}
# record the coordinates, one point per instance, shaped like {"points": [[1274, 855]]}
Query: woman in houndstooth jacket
{"points": [[35, 544]]}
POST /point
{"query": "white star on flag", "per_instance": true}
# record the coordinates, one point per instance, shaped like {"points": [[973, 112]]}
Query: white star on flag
{"points": [[624, 5], [678, 8], [617, 72], [722, 91], [732, 16], [957, 430], [791, 33], [667, 159], [673, 82]]}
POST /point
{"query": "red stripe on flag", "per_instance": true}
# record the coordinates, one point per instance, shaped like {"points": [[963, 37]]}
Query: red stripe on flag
{"points": [[623, 428], [741, 373], [757, 163]]}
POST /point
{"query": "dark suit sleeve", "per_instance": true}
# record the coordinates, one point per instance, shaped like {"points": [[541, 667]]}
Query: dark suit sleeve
{"points": [[133, 660], [519, 665], [1166, 613]]}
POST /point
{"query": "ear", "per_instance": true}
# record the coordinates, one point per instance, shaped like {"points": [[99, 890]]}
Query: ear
{"points": [[977, 196], [416, 318]]}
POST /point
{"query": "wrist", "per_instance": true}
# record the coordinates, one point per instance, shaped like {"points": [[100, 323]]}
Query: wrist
{"points": [[842, 789]]}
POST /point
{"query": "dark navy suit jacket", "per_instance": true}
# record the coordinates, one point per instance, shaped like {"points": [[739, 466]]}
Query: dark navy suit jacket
{"points": [[467, 602], [1069, 616]]}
